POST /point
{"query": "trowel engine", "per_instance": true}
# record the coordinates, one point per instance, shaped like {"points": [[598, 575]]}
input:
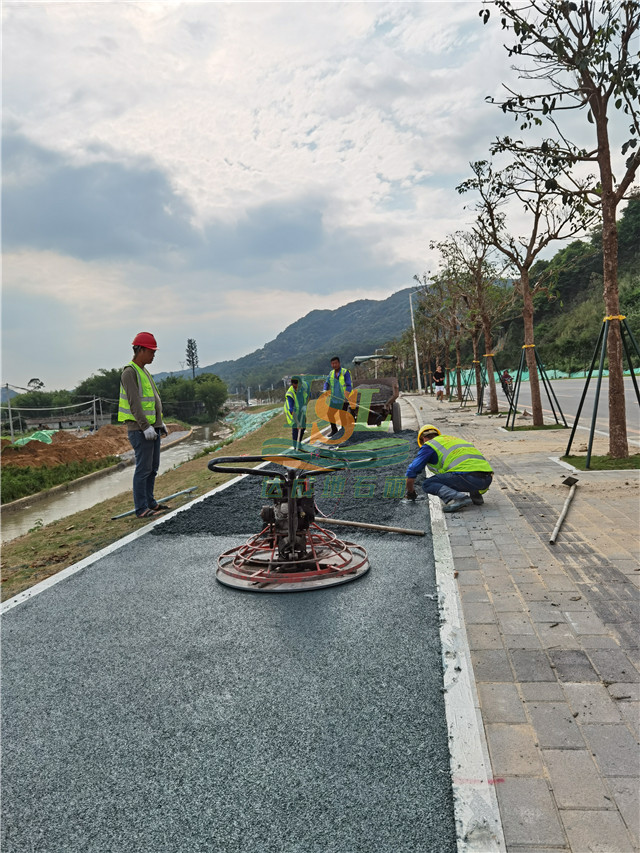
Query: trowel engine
{"points": [[289, 516]]}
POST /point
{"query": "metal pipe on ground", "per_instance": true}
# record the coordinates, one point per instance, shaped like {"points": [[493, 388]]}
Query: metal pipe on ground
{"points": [[168, 498], [570, 481], [407, 530]]}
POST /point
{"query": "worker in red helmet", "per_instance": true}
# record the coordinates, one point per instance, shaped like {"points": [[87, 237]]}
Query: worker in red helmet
{"points": [[459, 472], [140, 408]]}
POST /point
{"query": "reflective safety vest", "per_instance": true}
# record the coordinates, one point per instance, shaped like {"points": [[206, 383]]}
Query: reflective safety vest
{"points": [[146, 386], [454, 454], [297, 418], [338, 388]]}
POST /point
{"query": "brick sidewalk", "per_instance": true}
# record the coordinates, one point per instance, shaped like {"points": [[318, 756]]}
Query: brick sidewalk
{"points": [[554, 638]]}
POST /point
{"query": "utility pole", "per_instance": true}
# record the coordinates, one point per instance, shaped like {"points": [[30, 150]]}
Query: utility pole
{"points": [[10, 415], [415, 346]]}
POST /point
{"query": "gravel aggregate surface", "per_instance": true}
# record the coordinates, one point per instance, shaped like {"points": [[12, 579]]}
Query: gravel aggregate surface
{"points": [[369, 495], [148, 708]]}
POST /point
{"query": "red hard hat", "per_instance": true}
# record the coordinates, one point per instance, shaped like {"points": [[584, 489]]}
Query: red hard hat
{"points": [[145, 339]]}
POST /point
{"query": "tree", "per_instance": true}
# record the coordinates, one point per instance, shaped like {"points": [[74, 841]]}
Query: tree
{"points": [[35, 384], [192, 356], [468, 262], [525, 181], [584, 52], [211, 391], [104, 384]]}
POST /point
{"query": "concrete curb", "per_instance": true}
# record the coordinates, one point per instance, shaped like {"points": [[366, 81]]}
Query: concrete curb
{"points": [[478, 823]]}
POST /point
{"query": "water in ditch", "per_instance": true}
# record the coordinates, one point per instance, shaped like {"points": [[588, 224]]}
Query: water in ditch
{"points": [[85, 495]]}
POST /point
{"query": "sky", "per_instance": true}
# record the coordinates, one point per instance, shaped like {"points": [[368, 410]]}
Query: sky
{"points": [[215, 171]]}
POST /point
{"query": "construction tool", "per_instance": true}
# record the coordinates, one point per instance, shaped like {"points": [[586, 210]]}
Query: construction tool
{"points": [[572, 482], [409, 531]]}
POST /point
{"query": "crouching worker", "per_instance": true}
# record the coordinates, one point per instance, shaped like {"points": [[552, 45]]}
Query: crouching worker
{"points": [[295, 408], [460, 473]]}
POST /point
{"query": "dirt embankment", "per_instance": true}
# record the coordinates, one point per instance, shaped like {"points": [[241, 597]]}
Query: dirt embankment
{"points": [[69, 446]]}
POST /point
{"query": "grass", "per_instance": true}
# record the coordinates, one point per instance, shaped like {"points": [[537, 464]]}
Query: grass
{"points": [[44, 551], [604, 463], [22, 482]]}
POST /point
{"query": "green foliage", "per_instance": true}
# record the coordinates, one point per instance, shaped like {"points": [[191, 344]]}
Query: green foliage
{"points": [[104, 383], [212, 391], [21, 482]]}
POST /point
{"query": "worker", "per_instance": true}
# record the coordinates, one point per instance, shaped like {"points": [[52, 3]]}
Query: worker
{"points": [[141, 409], [460, 472], [339, 387], [295, 408]]}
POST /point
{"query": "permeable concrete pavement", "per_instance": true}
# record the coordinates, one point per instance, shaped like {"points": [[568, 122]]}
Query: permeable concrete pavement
{"points": [[554, 637], [148, 708]]}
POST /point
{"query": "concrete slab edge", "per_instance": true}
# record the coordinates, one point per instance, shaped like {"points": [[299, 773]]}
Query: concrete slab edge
{"points": [[30, 593], [477, 815]]}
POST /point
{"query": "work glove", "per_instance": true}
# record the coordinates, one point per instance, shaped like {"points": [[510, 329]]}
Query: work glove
{"points": [[412, 496], [163, 428], [150, 434]]}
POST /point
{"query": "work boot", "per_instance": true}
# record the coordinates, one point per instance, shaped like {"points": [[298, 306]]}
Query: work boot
{"points": [[477, 498], [456, 504]]}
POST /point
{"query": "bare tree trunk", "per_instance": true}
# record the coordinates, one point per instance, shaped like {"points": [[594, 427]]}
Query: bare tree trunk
{"points": [[458, 367], [491, 379], [475, 335], [527, 316], [618, 443]]}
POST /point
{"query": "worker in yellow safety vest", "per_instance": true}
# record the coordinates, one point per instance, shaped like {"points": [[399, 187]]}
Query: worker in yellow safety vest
{"points": [[295, 408], [140, 408], [339, 390], [460, 473]]}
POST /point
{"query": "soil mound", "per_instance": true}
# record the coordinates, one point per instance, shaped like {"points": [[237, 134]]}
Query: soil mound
{"points": [[70, 446]]}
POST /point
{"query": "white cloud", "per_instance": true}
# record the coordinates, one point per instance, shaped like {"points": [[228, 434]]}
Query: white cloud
{"points": [[175, 160]]}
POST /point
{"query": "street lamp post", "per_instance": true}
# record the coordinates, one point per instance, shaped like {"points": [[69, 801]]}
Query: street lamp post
{"points": [[415, 345]]}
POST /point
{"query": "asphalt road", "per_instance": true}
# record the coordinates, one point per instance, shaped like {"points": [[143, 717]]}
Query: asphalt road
{"points": [[568, 393], [148, 708]]}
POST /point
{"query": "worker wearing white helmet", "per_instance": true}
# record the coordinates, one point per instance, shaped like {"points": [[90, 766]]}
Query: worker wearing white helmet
{"points": [[460, 473]]}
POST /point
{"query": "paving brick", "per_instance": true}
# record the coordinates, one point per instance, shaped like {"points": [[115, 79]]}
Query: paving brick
{"points": [[484, 637], [545, 611], [532, 665], [501, 703], [476, 593], [557, 636], [513, 751], [504, 602], [554, 725], [630, 711], [541, 691], [534, 592], [585, 622], [572, 665], [613, 665], [559, 581], [592, 703], [475, 614], [625, 794], [515, 623], [596, 832], [491, 665], [614, 747], [575, 780], [632, 691], [528, 813], [521, 641], [597, 641]]}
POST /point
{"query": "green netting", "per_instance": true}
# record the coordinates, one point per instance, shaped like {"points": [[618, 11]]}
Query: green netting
{"points": [[43, 435], [376, 453], [245, 422]]}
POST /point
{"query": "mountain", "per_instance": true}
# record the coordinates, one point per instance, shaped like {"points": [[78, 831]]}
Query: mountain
{"points": [[7, 394], [307, 345]]}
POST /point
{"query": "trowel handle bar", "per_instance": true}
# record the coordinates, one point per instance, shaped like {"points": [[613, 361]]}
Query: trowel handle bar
{"points": [[218, 463]]}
